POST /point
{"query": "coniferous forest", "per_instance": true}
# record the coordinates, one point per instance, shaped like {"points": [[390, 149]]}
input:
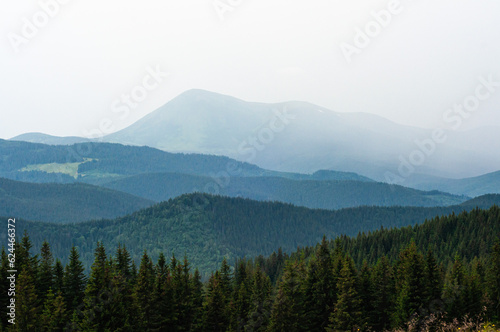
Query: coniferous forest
{"points": [[424, 286], [250, 166]]}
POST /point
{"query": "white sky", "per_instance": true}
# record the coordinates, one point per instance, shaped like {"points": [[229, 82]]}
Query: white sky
{"points": [[64, 80]]}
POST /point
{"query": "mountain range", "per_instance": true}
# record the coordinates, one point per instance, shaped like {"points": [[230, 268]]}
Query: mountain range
{"points": [[303, 137], [168, 175], [300, 137]]}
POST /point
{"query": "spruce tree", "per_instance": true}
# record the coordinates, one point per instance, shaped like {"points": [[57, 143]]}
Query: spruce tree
{"points": [[241, 306], [260, 306], [226, 277], [58, 285], [455, 290], [45, 271], [24, 259], [474, 291], [123, 262], [410, 284], [54, 316], [74, 281], [216, 315], [27, 302], [164, 316], [366, 295], [288, 309], [319, 289], [143, 292], [197, 301], [383, 295], [347, 312], [96, 314], [433, 282], [493, 282]]}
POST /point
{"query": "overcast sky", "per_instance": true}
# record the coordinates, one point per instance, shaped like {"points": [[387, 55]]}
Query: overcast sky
{"points": [[65, 77]]}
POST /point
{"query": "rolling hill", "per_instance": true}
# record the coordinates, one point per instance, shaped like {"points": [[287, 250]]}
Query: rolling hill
{"points": [[49, 139], [324, 194], [157, 175], [473, 186], [98, 162], [208, 228], [65, 203]]}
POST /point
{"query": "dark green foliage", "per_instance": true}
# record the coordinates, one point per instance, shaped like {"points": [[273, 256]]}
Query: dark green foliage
{"points": [[74, 281], [383, 295], [260, 302], [45, 271], [410, 284], [58, 285], [432, 277], [65, 203], [377, 294], [493, 281], [320, 288], [347, 314], [288, 310], [366, 295], [98, 295], [214, 227], [27, 302], [216, 309], [143, 292], [54, 316]]}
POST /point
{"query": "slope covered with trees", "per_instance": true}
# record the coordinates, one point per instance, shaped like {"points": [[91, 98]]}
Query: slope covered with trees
{"points": [[65, 203], [208, 228], [102, 160], [421, 286], [319, 194], [159, 176]]}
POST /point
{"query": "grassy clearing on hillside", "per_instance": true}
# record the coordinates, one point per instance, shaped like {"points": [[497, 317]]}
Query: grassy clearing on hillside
{"points": [[68, 168]]}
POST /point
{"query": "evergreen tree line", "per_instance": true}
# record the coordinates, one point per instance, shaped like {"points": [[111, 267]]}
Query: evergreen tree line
{"points": [[325, 292], [214, 227]]}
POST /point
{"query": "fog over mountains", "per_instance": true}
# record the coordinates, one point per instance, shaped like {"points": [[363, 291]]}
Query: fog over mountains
{"points": [[302, 137]]}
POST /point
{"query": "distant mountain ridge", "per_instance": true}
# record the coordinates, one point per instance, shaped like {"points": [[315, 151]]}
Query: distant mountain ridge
{"points": [[322, 194], [473, 186], [157, 175], [302, 137], [49, 139], [65, 203]]}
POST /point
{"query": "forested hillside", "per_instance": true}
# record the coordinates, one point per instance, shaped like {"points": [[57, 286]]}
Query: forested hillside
{"points": [[158, 175], [411, 283], [65, 203], [97, 161], [321, 194], [208, 228]]}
